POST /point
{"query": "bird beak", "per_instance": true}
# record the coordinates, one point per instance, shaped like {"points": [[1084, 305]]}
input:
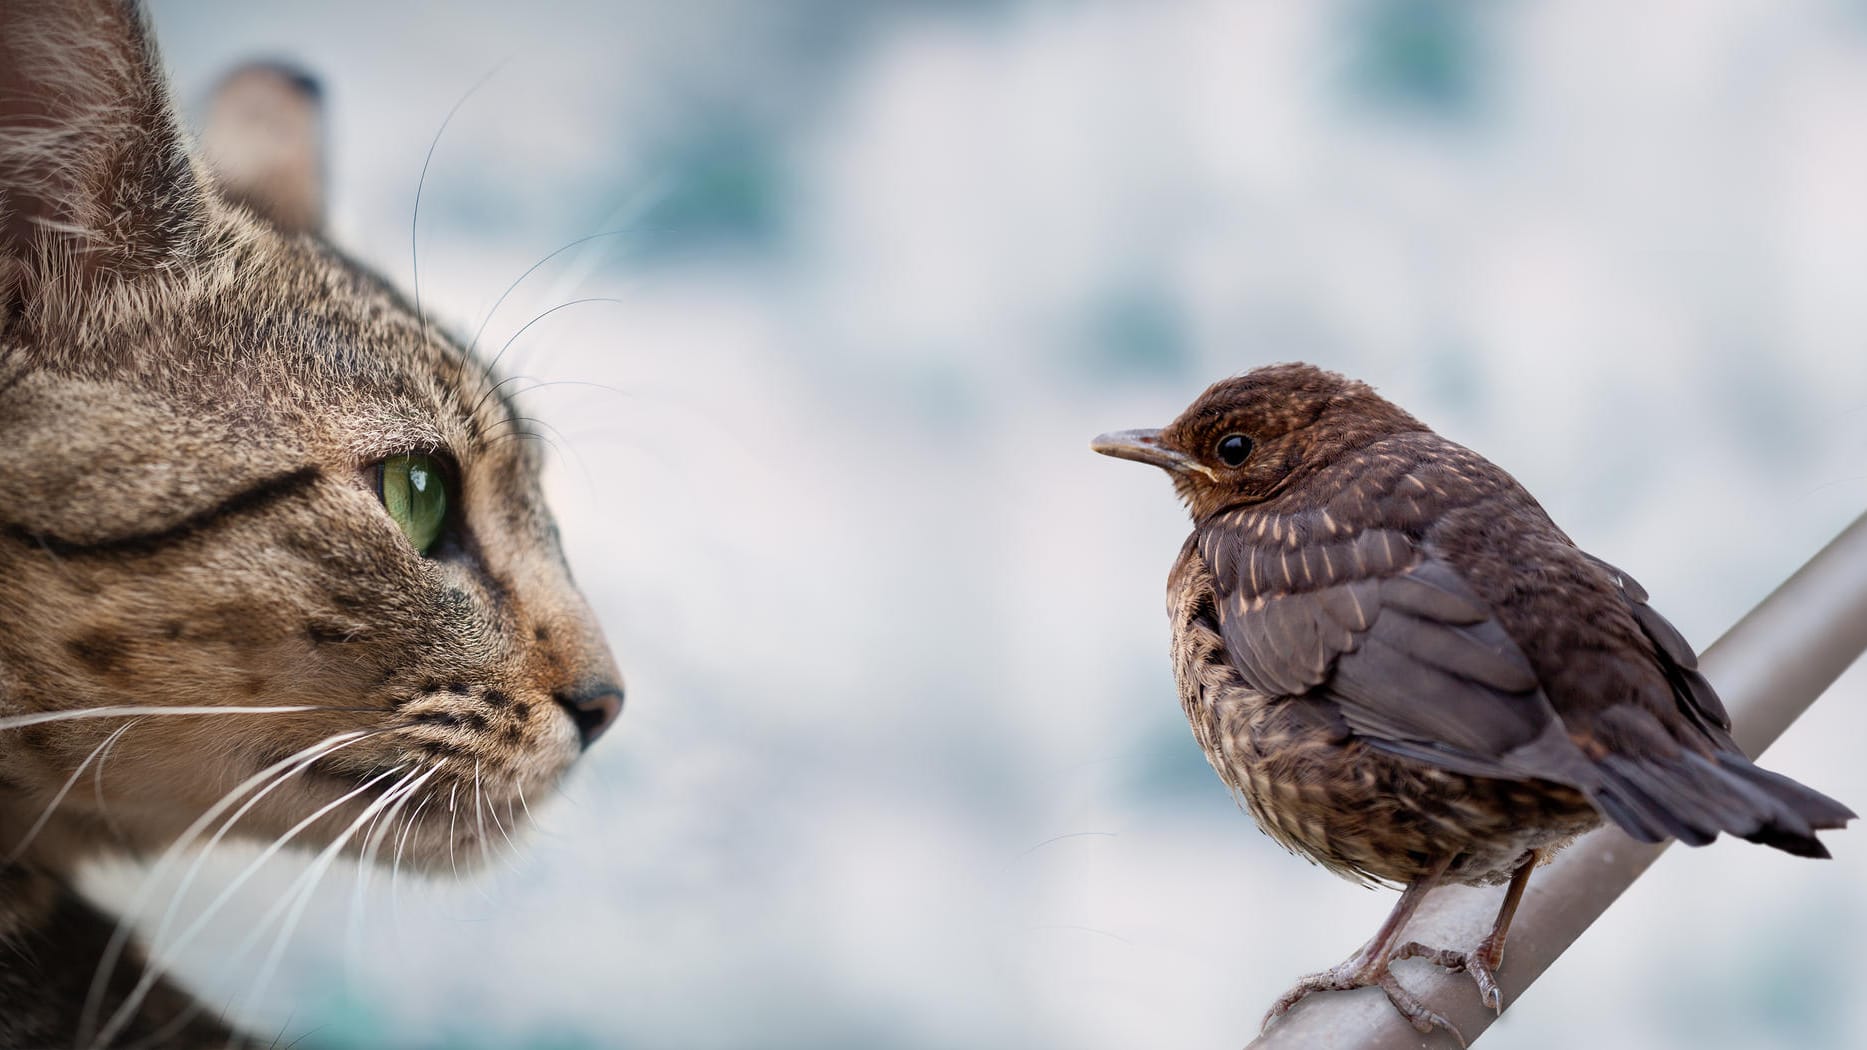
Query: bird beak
{"points": [[1143, 446]]}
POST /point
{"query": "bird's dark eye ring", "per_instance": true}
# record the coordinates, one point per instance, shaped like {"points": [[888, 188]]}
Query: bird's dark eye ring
{"points": [[1233, 448]]}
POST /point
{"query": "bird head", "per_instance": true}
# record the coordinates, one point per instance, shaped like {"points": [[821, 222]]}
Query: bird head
{"points": [[1247, 439]]}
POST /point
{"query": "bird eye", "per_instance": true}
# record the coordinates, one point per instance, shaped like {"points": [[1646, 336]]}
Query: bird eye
{"points": [[1233, 448], [413, 490]]}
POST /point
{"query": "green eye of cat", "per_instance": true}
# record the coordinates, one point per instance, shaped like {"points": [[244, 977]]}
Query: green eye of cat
{"points": [[413, 490]]}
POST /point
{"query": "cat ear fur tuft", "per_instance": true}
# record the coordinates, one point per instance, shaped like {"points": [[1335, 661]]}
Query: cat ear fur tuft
{"points": [[95, 177]]}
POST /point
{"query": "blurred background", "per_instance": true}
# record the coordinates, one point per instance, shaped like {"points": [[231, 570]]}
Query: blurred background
{"points": [[903, 765]]}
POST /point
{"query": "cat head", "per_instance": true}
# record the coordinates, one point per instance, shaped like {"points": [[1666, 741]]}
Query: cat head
{"points": [[248, 495]]}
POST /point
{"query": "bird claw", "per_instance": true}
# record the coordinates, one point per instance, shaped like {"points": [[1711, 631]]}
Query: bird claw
{"points": [[1354, 974], [1332, 980], [1480, 962], [1422, 1017]]}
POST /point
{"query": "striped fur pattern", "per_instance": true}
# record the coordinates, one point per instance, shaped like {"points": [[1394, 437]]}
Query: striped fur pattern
{"points": [[203, 602]]}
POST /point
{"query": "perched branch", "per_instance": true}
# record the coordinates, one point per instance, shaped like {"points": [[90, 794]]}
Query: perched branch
{"points": [[1769, 669]]}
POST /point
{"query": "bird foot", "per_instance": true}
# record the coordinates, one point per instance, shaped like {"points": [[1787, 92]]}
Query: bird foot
{"points": [[1481, 962], [1358, 972]]}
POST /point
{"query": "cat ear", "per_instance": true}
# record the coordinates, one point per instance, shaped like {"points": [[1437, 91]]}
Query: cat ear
{"points": [[264, 139], [95, 180]]}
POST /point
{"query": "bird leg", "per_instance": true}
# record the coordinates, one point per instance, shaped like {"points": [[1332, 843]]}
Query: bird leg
{"points": [[1481, 962], [1369, 967]]}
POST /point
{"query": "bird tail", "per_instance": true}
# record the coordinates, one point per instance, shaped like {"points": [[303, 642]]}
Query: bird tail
{"points": [[1694, 797]]}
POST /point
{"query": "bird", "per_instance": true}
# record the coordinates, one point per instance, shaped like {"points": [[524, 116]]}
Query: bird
{"points": [[1410, 676]]}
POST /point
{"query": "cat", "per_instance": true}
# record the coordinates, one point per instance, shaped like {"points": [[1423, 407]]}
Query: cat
{"points": [[274, 561]]}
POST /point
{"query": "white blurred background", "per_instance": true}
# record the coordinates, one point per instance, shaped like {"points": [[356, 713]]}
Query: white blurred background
{"points": [[902, 765]]}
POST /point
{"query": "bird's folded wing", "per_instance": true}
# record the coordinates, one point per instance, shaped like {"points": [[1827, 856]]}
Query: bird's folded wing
{"points": [[1697, 699], [1396, 639]]}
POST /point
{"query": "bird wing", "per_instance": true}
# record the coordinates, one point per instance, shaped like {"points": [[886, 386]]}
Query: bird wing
{"points": [[1394, 637], [1655, 791], [1697, 699], [1390, 636]]}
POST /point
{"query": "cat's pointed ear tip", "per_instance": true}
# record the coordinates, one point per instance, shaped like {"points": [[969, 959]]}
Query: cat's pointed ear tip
{"points": [[302, 81], [263, 136], [271, 74]]}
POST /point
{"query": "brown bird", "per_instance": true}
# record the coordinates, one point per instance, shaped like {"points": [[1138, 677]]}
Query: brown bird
{"points": [[1411, 676]]}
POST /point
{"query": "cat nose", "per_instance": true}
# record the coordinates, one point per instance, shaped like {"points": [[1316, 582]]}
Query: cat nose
{"points": [[593, 708]]}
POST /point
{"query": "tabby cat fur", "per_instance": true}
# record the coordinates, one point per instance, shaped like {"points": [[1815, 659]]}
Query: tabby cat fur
{"points": [[195, 390]]}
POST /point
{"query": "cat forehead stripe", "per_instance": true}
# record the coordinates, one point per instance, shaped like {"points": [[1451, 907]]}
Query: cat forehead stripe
{"points": [[255, 497]]}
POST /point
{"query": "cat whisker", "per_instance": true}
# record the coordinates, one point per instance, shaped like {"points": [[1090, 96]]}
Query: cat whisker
{"points": [[516, 377], [157, 963], [635, 206], [163, 1036], [421, 182], [494, 813], [479, 814], [293, 1045], [557, 443], [283, 1025], [56, 560], [490, 365], [520, 425], [519, 856], [119, 938], [557, 788], [547, 383], [97, 791], [395, 869], [451, 814], [520, 422], [220, 833], [315, 874], [533, 268], [650, 193], [373, 839], [538, 826], [619, 436], [42, 717], [19, 850], [408, 826], [518, 785]]}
